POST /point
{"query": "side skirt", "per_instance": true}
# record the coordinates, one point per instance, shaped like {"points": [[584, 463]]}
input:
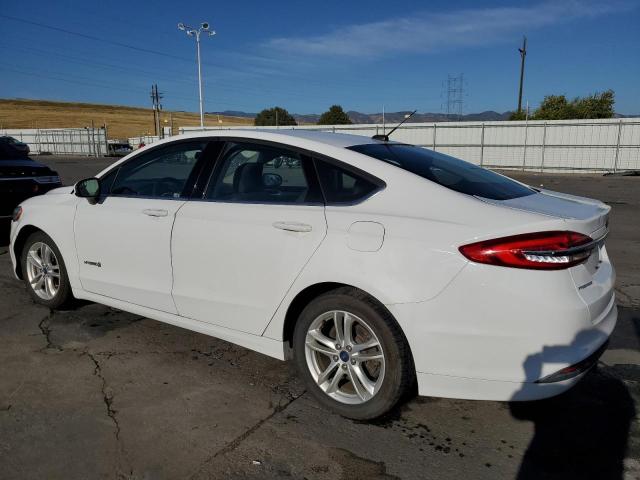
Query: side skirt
{"points": [[265, 345]]}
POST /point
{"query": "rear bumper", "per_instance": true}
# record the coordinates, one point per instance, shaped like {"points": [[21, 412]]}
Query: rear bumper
{"points": [[433, 385], [493, 340], [577, 368], [478, 389]]}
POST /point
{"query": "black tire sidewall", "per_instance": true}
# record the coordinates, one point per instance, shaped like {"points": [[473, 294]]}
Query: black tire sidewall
{"points": [[63, 296], [387, 331]]}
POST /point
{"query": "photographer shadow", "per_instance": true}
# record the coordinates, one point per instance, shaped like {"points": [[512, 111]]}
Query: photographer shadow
{"points": [[581, 433]]}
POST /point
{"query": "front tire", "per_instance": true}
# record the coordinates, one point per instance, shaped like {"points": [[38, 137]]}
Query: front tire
{"points": [[352, 354], [44, 272]]}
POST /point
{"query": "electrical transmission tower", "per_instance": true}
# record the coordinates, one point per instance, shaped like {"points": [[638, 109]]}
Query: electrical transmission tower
{"points": [[455, 96], [157, 106]]}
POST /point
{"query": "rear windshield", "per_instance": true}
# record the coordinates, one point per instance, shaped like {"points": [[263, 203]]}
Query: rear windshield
{"points": [[450, 172]]}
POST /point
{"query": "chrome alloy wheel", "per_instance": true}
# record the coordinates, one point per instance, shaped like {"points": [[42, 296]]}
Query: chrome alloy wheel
{"points": [[345, 357], [43, 271]]}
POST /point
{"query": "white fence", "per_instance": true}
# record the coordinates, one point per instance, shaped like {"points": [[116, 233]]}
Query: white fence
{"points": [[62, 141], [603, 145]]}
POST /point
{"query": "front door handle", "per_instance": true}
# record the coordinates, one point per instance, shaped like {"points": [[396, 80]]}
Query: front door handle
{"points": [[153, 212], [293, 226]]}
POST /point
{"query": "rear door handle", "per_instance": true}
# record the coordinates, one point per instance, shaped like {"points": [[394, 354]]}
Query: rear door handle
{"points": [[293, 226], [153, 212]]}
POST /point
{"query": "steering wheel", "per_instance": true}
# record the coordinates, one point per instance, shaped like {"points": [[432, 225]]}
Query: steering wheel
{"points": [[167, 187]]}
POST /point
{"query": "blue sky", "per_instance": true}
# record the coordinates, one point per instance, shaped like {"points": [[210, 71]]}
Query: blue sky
{"points": [[305, 56]]}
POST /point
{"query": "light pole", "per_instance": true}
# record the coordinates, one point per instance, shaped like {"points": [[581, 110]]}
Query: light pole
{"points": [[195, 32]]}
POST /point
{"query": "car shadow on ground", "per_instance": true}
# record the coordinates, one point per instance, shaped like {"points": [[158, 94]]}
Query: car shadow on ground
{"points": [[582, 433]]}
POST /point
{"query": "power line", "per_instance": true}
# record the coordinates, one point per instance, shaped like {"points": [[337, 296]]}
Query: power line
{"points": [[84, 61], [154, 75], [257, 92], [232, 87], [281, 72], [94, 38], [105, 86]]}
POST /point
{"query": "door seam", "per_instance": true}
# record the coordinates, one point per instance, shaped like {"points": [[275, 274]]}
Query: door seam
{"points": [[326, 232], [173, 224]]}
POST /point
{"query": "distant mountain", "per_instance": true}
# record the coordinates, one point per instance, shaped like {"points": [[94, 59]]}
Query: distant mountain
{"points": [[397, 117], [389, 117], [235, 113]]}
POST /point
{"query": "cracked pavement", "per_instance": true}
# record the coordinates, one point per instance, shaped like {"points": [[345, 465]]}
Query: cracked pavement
{"points": [[94, 392]]}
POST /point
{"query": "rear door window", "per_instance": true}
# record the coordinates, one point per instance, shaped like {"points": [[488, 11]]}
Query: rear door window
{"points": [[450, 172], [257, 173]]}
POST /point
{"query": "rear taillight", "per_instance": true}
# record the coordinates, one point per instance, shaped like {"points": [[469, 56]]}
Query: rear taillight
{"points": [[538, 251]]}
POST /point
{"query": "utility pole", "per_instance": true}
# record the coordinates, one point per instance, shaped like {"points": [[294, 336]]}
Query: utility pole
{"points": [[195, 32], [155, 101], [153, 106], [523, 55]]}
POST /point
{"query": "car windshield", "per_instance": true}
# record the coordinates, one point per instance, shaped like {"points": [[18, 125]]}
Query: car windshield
{"points": [[450, 172]]}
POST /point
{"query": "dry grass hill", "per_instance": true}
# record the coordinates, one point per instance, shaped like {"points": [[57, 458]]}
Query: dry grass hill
{"points": [[122, 122]]}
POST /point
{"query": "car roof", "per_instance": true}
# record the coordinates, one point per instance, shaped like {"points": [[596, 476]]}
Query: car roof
{"points": [[303, 138]]}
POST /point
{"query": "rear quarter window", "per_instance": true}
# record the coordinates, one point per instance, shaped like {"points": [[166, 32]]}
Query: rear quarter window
{"points": [[344, 187], [450, 172]]}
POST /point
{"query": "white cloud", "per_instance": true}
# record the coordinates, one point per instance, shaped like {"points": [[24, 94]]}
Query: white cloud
{"points": [[426, 32]]}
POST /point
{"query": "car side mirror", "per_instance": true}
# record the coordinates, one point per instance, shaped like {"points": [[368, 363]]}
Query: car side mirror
{"points": [[88, 188], [271, 180]]}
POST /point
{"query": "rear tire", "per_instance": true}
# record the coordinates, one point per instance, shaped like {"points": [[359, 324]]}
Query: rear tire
{"points": [[44, 272], [352, 354]]}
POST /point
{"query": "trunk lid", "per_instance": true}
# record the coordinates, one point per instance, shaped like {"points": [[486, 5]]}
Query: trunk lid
{"points": [[594, 278], [581, 214]]}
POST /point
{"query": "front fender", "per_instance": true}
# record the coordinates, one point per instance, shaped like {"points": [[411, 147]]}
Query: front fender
{"points": [[54, 215]]}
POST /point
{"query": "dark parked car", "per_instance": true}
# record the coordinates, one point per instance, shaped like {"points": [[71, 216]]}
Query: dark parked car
{"points": [[22, 178], [10, 147]]}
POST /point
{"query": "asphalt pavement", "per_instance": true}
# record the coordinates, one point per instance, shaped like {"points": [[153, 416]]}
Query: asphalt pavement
{"points": [[94, 392]]}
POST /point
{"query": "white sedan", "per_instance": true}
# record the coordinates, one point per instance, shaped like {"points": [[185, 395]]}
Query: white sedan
{"points": [[379, 267]]}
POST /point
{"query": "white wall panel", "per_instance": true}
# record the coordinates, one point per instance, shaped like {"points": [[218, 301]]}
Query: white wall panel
{"points": [[568, 145]]}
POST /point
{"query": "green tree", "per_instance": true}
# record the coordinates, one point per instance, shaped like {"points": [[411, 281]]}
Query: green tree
{"points": [[274, 116], [598, 105], [557, 107], [521, 115], [334, 116]]}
